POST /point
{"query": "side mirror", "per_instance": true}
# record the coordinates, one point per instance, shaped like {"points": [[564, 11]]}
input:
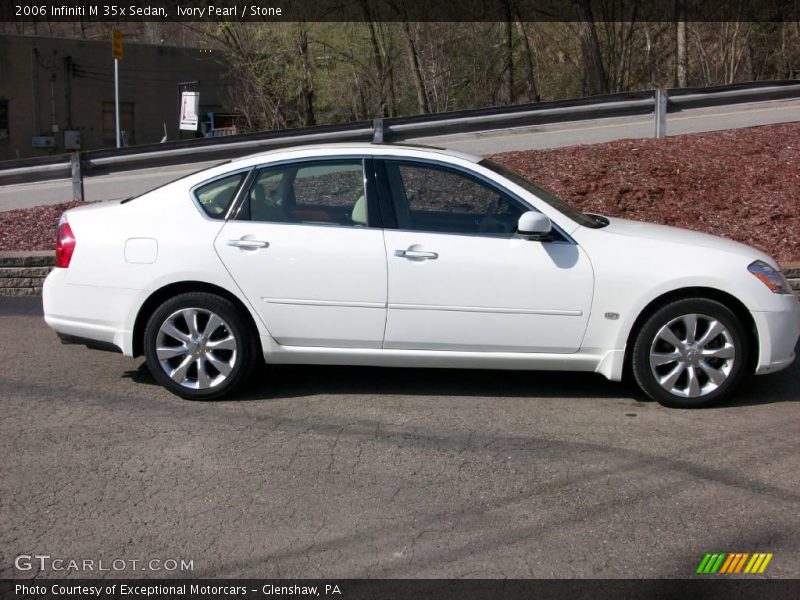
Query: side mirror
{"points": [[534, 225]]}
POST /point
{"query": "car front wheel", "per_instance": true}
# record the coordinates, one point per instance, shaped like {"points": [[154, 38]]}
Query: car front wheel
{"points": [[690, 353], [198, 346]]}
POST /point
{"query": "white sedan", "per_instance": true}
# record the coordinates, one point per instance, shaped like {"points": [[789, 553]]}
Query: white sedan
{"points": [[403, 256]]}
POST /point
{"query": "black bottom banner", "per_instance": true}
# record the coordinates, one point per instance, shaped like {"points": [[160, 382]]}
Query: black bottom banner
{"points": [[401, 589]]}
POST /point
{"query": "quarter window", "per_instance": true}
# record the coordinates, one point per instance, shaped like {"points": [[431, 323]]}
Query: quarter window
{"points": [[314, 192], [216, 196], [430, 198]]}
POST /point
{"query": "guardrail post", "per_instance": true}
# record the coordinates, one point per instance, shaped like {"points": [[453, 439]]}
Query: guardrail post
{"points": [[77, 176], [377, 131], [661, 112]]}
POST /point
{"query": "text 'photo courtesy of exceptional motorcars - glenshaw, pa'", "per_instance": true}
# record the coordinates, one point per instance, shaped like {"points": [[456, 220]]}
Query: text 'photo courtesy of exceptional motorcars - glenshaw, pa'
{"points": [[400, 300]]}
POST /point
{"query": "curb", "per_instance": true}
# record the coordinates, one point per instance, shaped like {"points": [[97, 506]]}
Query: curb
{"points": [[23, 273]]}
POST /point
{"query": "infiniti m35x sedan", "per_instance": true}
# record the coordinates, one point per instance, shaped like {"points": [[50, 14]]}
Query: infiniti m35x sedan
{"points": [[401, 256]]}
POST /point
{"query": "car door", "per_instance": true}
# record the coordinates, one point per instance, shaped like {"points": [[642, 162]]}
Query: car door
{"points": [[461, 280], [302, 249]]}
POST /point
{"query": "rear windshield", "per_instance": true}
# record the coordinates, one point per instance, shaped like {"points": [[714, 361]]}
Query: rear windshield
{"points": [[545, 195]]}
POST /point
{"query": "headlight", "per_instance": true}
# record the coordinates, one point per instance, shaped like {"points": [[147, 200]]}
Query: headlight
{"points": [[770, 277]]}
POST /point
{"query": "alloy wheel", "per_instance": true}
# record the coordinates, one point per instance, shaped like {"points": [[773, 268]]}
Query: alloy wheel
{"points": [[196, 348], [692, 355]]}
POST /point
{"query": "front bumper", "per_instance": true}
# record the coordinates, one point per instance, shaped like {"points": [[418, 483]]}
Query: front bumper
{"points": [[778, 332]]}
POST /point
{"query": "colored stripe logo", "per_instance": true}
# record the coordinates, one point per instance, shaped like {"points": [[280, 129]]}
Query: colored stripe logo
{"points": [[734, 563]]}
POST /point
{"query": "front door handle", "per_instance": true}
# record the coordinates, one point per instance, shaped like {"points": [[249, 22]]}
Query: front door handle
{"points": [[248, 244], [418, 254]]}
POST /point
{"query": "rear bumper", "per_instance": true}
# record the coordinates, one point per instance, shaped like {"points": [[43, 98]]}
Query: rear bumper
{"points": [[99, 316], [778, 332]]}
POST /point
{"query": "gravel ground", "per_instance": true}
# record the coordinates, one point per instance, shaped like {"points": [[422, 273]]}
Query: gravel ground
{"points": [[743, 184]]}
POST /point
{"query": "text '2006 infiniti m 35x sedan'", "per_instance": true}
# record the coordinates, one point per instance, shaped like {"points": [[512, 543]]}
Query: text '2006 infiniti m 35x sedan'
{"points": [[372, 254]]}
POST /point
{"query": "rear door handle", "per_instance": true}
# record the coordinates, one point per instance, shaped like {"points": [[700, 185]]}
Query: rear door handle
{"points": [[419, 254], [248, 244]]}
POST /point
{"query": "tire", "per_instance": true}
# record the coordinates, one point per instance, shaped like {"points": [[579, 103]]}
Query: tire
{"points": [[681, 369], [198, 346]]}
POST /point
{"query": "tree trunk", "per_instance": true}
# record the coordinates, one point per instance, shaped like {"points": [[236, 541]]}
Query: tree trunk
{"points": [[595, 73], [508, 67], [307, 84], [388, 67], [682, 60], [377, 59], [423, 105], [651, 58], [530, 71]]}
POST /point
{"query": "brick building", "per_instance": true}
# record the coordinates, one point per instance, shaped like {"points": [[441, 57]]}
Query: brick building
{"points": [[53, 87]]}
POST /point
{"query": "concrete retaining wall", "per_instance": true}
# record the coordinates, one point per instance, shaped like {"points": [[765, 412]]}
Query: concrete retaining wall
{"points": [[22, 273], [792, 271]]}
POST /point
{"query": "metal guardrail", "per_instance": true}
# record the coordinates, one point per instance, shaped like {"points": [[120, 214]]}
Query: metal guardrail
{"points": [[657, 102]]}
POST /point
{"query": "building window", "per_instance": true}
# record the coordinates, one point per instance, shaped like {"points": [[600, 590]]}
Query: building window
{"points": [[126, 122], [3, 119]]}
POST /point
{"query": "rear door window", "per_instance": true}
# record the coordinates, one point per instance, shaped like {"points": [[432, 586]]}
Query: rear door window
{"points": [[325, 192]]}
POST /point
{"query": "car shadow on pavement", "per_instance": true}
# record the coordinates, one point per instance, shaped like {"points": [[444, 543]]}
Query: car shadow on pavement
{"points": [[778, 387], [297, 381]]}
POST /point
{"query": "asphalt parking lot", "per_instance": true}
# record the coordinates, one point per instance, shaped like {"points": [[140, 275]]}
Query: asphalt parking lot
{"points": [[364, 472]]}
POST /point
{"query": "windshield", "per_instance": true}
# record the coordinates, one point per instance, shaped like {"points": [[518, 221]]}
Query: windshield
{"points": [[547, 196]]}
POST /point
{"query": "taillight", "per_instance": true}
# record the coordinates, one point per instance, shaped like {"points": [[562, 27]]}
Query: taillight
{"points": [[65, 245]]}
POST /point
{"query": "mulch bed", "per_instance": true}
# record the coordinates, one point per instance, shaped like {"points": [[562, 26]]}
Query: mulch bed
{"points": [[32, 228], [743, 184]]}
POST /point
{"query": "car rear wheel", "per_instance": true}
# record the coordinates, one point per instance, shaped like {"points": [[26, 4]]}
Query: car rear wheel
{"points": [[691, 353], [198, 346]]}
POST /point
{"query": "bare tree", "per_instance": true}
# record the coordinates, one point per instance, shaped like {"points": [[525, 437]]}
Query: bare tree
{"points": [[414, 64], [529, 57], [682, 63], [307, 79], [595, 81], [508, 67]]}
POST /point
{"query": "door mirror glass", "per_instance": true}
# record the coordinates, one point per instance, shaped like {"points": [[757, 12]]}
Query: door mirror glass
{"points": [[534, 224]]}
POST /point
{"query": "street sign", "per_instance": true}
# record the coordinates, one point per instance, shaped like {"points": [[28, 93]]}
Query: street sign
{"points": [[190, 107], [116, 44]]}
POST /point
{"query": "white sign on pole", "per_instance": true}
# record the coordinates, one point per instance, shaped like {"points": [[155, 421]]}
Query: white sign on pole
{"points": [[190, 107]]}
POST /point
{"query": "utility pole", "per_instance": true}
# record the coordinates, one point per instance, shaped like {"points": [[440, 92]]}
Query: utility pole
{"points": [[116, 51]]}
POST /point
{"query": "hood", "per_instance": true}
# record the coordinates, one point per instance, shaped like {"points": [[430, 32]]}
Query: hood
{"points": [[684, 237]]}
